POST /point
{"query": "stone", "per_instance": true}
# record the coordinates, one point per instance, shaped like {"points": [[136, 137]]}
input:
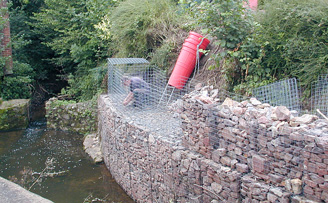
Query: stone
{"points": [[296, 186], [226, 161], [242, 168], [271, 197], [276, 191], [14, 114], [260, 164], [91, 146], [228, 102], [238, 111], [277, 179], [304, 119], [75, 117], [11, 192], [176, 156], [217, 188], [281, 113], [254, 101], [198, 86]]}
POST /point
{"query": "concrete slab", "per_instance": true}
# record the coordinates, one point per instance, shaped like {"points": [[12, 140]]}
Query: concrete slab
{"points": [[13, 193]]}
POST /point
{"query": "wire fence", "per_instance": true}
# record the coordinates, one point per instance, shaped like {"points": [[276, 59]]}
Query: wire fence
{"points": [[160, 94], [281, 93], [150, 107], [319, 95], [155, 93]]}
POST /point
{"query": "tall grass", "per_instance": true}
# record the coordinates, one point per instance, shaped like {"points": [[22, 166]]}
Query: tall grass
{"points": [[140, 26]]}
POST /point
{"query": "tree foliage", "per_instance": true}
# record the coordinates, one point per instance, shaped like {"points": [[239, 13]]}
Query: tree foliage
{"points": [[19, 84], [69, 28], [77, 32]]}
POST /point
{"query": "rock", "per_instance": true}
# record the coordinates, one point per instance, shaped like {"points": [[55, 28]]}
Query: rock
{"points": [[11, 192], [14, 114], [228, 102], [296, 186], [255, 102], [198, 86], [214, 93], [217, 188], [304, 119], [281, 113], [91, 146], [276, 191]]}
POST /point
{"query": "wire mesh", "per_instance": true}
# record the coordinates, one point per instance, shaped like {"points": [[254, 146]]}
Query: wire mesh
{"points": [[281, 93], [319, 95], [151, 108]]}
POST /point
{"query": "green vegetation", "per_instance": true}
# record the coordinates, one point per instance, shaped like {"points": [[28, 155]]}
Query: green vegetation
{"points": [[140, 26], [297, 39], [287, 39], [69, 40]]}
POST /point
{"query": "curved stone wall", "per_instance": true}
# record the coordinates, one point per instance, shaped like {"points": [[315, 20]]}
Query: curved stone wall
{"points": [[234, 152]]}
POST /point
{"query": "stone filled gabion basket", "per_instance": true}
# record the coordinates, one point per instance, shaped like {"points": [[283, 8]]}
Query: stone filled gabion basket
{"points": [[283, 152], [221, 148]]}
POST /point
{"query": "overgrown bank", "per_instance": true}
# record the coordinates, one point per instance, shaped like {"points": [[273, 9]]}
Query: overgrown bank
{"points": [[281, 39]]}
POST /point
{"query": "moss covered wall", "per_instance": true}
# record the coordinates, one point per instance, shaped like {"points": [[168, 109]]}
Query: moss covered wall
{"points": [[68, 116], [14, 114]]}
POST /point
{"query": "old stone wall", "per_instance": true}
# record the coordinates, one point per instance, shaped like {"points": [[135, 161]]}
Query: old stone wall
{"points": [[230, 152], [14, 114], [74, 117]]}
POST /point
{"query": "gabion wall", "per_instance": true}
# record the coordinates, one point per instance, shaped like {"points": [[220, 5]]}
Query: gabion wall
{"points": [[235, 152]]}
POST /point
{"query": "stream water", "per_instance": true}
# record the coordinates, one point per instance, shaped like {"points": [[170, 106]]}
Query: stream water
{"points": [[25, 152]]}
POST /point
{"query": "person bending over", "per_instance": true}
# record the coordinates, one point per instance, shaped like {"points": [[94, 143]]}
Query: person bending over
{"points": [[138, 91]]}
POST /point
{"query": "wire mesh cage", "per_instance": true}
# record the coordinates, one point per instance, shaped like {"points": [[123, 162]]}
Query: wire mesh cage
{"points": [[281, 93], [319, 95], [150, 105]]}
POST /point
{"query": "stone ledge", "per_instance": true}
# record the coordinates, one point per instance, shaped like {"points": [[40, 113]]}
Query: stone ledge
{"points": [[13, 193]]}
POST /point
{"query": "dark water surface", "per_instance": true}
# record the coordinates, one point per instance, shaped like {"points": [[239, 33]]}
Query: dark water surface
{"points": [[27, 150]]}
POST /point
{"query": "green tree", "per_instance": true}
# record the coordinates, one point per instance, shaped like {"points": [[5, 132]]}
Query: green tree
{"points": [[19, 84], [69, 28], [77, 33]]}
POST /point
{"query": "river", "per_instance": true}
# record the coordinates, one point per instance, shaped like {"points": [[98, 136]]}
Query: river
{"points": [[68, 174]]}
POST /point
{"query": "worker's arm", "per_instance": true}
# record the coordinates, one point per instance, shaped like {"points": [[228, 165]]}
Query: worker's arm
{"points": [[128, 99]]}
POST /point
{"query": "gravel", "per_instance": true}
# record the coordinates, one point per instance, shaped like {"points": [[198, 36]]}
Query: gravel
{"points": [[157, 119]]}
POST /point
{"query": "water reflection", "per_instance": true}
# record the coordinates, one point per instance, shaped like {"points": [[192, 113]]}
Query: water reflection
{"points": [[30, 149]]}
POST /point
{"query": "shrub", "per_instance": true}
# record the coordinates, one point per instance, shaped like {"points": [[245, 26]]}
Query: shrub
{"points": [[297, 39], [87, 84], [140, 26], [18, 85], [231, 24]]}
